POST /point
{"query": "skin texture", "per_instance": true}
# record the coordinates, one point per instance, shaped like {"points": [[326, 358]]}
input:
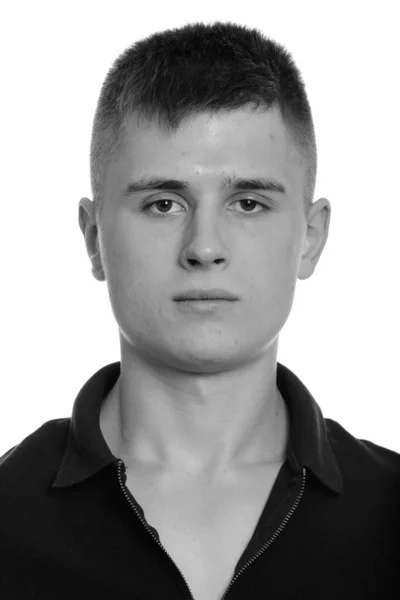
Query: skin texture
{"points": [[197, 393]]}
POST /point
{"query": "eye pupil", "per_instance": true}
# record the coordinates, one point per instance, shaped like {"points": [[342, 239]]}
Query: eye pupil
{"points": [[161, 201], [248, 200]]}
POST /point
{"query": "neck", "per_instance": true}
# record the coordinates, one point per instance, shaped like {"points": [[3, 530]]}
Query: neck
{"points": [[169, 427]]}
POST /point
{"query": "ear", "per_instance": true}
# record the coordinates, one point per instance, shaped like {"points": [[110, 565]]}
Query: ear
{"points": [[88, 225], [317, 234]]}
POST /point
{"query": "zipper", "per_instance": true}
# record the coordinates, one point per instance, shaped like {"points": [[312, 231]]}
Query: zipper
{"points": [[274, 536], [271, 539], [120, 463]]}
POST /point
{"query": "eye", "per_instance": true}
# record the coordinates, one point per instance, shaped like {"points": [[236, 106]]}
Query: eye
{"points": [[168, 201]]}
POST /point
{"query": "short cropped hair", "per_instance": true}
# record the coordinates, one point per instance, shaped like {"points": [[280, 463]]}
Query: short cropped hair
{"points": [[175, 74]]}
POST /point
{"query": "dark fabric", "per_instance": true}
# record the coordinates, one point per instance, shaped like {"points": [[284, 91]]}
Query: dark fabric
{"points": [[70, 529]]}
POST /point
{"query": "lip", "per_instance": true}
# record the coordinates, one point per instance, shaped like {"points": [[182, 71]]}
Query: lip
{"points": [[206, 294], [216, 308]]}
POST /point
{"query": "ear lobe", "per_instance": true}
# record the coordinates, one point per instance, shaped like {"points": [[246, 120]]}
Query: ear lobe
{"points": [[98, 273]]}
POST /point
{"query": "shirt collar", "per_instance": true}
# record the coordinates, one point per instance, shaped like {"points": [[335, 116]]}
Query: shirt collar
{"points": [[309, 444], [87, 452]]}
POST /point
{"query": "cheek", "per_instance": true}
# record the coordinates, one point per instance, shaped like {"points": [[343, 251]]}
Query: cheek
{"points": [[289, 262], [127, 253], [280, 270], [126, 272], [290, 253]]}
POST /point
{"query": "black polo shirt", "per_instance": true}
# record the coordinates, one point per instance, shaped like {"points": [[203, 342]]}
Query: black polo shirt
{"points": [[70, 529]]}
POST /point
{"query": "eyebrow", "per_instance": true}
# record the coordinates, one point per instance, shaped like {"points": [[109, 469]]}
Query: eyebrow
{"points": [[236, 183]]}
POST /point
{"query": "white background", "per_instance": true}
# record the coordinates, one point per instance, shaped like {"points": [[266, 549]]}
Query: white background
{"points": [[57, 326]]}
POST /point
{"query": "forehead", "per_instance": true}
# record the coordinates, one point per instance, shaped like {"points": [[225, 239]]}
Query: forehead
{"points": [[240, 142]]}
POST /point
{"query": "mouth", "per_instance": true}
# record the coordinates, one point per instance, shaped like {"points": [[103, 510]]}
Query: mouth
{"points": [[205, 305], [205, 300], [213, 295]]}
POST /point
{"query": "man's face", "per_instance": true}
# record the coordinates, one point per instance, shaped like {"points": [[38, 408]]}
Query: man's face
{"points": [[204, 236]]}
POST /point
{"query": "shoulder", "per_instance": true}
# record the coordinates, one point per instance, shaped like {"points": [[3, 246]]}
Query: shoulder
{"points": [[39, 453], [364, 465]]}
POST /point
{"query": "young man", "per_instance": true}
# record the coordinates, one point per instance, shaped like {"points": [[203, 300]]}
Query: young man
{"points": [[198, 466]]}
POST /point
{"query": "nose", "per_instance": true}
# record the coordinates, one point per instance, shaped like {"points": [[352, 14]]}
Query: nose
{"points": [[203, 243]]}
